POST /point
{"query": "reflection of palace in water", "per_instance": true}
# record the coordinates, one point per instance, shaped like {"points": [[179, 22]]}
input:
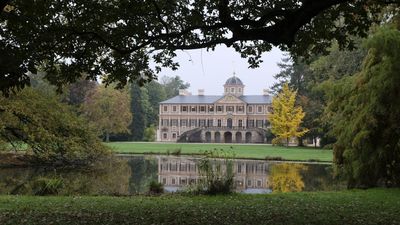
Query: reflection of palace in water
{"points": [[177, 172]]}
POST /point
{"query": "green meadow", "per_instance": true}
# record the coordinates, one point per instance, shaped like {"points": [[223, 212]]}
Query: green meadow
{"points": [[247, 151], [364, 207]]}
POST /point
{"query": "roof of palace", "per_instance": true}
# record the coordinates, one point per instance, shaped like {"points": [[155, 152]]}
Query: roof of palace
{"points": [[233, 81], [210, 99]]}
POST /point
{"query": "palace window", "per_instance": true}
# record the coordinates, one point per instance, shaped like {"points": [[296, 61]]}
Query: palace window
{"points": [[165, 135], [230, 108], [211, 108], [183, 123], [165, 108], [232, 90], [174, 122], [259, 123], [210, 123], [239, 108], [240, 123], [202, 108], [250, 123], [184, 108], [250, 109], [164, 122], [192, 123], [240, 90], [220, 108], [183, 181], [202, 123], [173, 135], [259, 109], [174, 108], [193, 109], [219, 123]]}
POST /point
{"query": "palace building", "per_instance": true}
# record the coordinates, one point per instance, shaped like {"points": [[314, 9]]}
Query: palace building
{"points": [[229, 118]]}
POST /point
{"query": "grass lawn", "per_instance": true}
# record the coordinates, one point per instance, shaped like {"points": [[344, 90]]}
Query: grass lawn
{"points": [[375, 206], [252, 151]]}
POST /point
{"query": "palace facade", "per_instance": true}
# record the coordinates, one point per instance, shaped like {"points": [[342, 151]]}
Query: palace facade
{"points": [[229, 118]]}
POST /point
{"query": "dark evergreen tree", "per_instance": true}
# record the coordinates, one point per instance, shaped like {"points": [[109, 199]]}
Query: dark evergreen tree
{"points": [[156, 94], [365, 110], [138, 113]]}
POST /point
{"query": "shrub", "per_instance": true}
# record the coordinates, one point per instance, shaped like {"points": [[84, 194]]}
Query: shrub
{"points": [[149, 133], [216, 172], [277, 142], [156, 187], [177, 151], [277, 158], [47, 186]]}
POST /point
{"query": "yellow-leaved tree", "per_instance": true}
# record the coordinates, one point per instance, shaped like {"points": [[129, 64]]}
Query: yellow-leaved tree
{"points": [[286, 117]]}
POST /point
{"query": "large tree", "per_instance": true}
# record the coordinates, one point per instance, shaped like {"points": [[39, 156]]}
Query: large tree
{"points": [[108, 110], [365, 110], [139, 103], [306, 76], [156, 94], [50, 130], [118, 38], [172, 85], [286, 117]]}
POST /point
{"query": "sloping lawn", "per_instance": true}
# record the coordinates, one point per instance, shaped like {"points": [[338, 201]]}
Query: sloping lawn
{"points": [[364, 207], [252, 151]]}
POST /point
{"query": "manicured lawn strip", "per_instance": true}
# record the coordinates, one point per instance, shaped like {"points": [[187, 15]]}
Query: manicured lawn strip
{"points": [[241, 151], [375, 206]]}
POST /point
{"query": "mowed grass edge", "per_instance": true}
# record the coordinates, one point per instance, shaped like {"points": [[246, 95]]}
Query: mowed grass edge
{"points": [[247, 151], [374, 206]]}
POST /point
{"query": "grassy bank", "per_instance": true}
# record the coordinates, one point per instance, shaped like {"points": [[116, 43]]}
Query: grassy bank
{"points": [[378, 206], [255, 151]]}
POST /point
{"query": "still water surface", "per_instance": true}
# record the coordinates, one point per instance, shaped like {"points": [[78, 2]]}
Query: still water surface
{"points": [[132, 174]]}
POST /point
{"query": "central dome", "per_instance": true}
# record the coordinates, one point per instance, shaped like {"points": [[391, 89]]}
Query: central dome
{"points": [[233, 81]]}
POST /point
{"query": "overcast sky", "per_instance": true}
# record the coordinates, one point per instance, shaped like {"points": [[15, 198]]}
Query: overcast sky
{"points": [[209, 70]]}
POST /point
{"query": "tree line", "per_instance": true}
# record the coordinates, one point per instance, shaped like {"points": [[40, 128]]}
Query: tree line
{"points": [[351, 101], [128, 114]]}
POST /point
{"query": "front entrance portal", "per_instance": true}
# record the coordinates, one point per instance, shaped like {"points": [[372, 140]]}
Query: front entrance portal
{"points": [[248, 137], [238, 137], [208, 137], [229, 123], [228, 137], [217, 137]]}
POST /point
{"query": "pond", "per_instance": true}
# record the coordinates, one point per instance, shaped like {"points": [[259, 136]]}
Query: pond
{"points": [[132, 174]]}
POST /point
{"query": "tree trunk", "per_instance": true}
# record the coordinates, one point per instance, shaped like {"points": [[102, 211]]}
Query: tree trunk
{"points": [[301, 142], [287, 142], [107, 136], [315, 142]]}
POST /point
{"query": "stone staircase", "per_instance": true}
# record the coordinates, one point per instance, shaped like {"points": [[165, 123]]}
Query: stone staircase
{"points": [[191, 136]]}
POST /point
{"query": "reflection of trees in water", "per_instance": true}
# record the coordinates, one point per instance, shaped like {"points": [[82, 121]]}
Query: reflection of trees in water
{"points": [[107, 177], [320, 177], [286, 177], [144, 170]]}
